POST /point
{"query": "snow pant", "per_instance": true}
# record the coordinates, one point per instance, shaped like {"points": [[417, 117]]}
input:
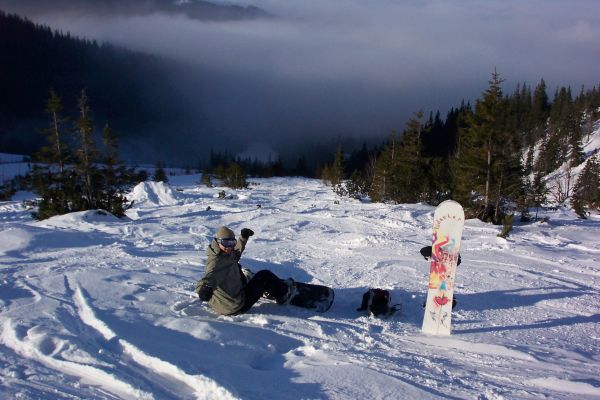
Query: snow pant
{"points": [[262, 282]]}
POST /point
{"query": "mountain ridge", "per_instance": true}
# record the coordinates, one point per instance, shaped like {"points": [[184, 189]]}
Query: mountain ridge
{"points": [[194, 9]]}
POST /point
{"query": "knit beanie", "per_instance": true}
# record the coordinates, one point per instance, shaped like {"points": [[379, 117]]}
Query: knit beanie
{"points": [[225, 233]]}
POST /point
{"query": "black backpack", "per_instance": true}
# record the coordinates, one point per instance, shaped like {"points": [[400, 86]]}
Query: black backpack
{"points": [[377, 301]]}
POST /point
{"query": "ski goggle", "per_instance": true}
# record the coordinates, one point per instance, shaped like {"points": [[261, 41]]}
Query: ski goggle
{"points": [[227, 242]]}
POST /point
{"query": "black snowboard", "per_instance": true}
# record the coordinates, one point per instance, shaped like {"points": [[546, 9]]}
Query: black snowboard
{"points": [[315, 297]]}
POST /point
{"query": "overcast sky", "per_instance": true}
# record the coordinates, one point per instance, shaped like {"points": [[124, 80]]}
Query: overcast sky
{"points": [[356, 67]]}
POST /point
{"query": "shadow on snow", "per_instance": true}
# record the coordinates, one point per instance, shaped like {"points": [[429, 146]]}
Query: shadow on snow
{"points": [[548, 323], [245, 360]]}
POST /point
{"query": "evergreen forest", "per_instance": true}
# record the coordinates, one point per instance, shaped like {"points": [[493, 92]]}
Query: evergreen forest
{"points": [[492, 156]]}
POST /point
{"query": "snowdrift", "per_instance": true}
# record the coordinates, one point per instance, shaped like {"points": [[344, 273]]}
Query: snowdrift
{"points": [[150, 194], [90, 220]]}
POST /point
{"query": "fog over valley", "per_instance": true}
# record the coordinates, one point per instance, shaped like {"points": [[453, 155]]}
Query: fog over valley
{"points": [[284, 74]]}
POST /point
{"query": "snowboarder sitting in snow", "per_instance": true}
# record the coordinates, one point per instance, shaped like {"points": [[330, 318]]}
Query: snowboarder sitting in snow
{"points": [[225, 286]]}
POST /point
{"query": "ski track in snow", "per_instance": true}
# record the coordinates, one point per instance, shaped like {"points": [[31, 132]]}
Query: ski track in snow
{"points": [[99, 308]]}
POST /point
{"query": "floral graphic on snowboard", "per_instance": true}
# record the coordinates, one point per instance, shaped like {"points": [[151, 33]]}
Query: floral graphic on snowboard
{"points": [[447, 231]]}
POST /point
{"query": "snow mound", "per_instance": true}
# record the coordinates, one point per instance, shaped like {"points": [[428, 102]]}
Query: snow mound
{"points": [[13, 239], [85, 221], [153, 194]]}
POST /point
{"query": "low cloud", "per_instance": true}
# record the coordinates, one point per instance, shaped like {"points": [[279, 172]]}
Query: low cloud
{"points": [[353, 67]]}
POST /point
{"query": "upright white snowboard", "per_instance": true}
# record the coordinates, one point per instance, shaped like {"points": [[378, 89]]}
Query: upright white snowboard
{"points": [[448, 222]]}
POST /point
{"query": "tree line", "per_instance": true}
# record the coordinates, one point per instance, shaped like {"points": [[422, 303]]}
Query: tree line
{"points": [[492, 157]]}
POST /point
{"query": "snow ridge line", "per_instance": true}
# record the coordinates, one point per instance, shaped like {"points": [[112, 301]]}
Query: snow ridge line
{"points": [[203, 387], [88, 375]]}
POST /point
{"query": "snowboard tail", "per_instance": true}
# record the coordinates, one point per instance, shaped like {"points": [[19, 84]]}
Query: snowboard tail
{"points": [[448, 223], [314, 297]]}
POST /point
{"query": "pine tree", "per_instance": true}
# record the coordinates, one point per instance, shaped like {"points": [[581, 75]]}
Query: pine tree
{"points": [[549, 156], [358, 160], [490, 114], [561, 122], [111, 150], [206, 179], [114, 175], [219, 171], [438, 180], [358, 186], [489, 162], [459, 125], [519, 113], [588, 104], [337, 167], [575, 138], [235, 176], [326, 173], [86, 153], [383, 173], [337, 173], [55, 151], [159, 173], [48, 176], [539, 192], [473, 166], [408, 167], [540, 110], [586, 193]]}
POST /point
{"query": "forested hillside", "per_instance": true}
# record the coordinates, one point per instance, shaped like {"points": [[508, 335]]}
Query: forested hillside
{"points": [[133, 91], [493, 157]]}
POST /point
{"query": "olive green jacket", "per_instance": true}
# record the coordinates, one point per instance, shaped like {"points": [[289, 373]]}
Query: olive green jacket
{"points": [[223, 274]]}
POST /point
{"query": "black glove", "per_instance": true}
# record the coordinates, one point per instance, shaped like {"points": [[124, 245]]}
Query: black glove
{"points": [[205, 293], [426, 253], [246, 233]]}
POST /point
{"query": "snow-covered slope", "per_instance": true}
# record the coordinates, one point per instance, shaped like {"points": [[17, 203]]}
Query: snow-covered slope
{"points": [[98, 308]]}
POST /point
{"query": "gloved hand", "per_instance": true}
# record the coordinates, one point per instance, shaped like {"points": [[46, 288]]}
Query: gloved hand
{"points": [[246, 233], [205, 293], [426, 253]]}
